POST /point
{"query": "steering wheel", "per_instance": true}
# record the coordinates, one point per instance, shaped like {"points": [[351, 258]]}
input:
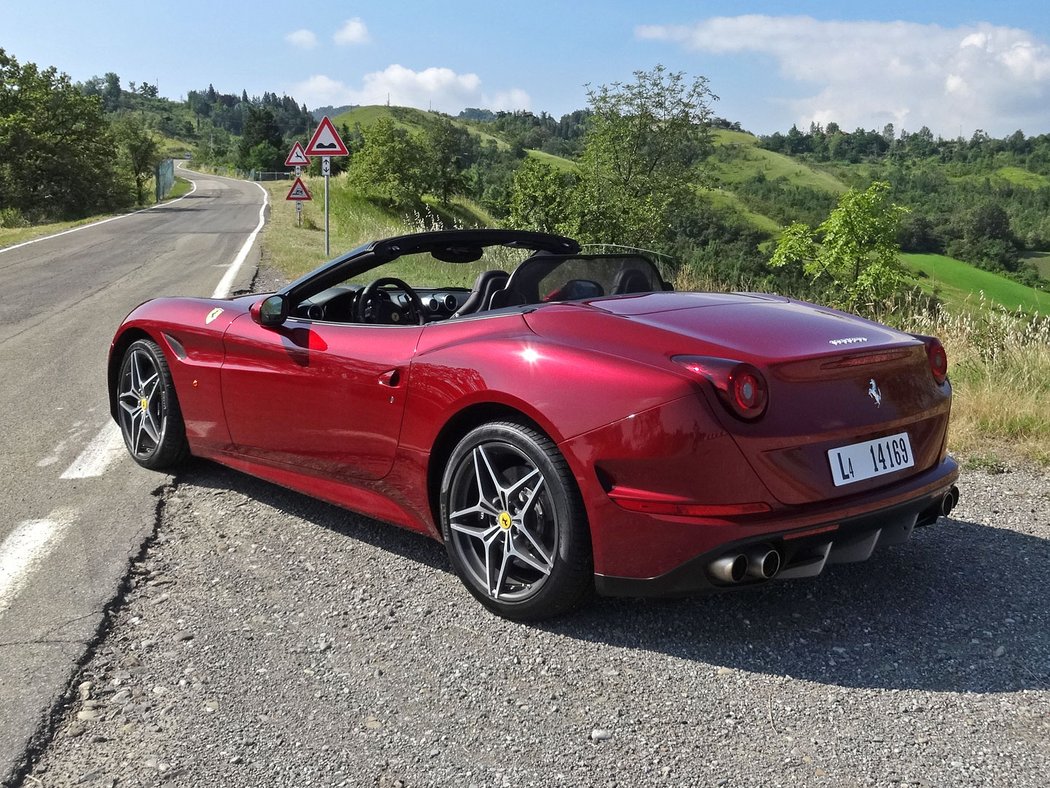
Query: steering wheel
{"points": [[374, 304]]}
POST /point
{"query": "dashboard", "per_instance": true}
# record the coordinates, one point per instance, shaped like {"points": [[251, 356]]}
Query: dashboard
{"points": [[339, 304]]}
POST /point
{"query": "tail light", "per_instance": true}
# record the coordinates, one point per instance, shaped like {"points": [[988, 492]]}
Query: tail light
{"points": [[937, 357], [739, 386]]}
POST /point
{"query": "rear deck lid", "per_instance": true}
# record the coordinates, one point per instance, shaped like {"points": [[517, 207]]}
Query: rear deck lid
{"points": [[840, 388]]}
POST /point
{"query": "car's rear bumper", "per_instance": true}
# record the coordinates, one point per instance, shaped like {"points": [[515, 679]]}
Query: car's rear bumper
{"points": [[805, 544]]}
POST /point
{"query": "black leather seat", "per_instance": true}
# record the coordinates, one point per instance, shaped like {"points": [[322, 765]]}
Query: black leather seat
{"points": [[631, 280], [487, 283]]}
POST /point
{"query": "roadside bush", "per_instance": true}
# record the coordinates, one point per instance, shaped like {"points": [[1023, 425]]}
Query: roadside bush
{"points": [[12, 218]]}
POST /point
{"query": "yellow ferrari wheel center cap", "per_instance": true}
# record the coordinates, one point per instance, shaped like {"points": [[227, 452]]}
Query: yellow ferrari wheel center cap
{"points": [[144, 404], [505, 521]]}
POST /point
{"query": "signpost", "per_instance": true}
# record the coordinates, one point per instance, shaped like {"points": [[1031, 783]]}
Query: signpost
{"points": [[325, 143], [297, 158], [299, 193]]}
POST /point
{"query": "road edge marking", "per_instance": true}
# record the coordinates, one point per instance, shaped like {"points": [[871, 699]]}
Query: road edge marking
{"points": [[25, 547], [103, 449], [100, 221], [222, 290]]}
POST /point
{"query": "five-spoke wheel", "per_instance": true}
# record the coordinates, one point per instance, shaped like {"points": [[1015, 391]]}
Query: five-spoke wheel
{"points": [[147, 409], [514, 523]]}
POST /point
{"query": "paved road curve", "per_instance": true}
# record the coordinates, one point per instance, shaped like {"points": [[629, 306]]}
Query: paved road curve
{"points": [[73, 509]]}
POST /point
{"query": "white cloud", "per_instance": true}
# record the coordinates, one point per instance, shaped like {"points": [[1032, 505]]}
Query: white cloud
{"points": [[868, 74], [440, 89], [304, 39], [353, 31]]}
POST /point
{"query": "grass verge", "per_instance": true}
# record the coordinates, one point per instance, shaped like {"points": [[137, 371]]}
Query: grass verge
{"points": [[999, 366], [10, 236]]}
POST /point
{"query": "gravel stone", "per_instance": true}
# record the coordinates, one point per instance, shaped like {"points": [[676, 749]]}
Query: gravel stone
{"points": [[328, 649]]}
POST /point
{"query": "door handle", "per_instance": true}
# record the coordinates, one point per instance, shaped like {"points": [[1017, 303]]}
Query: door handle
{"points": [[391, 378]]}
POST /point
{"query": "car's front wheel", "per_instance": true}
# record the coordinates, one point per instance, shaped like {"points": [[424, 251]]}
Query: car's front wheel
{"points": [[514, 524], [147, 408]]}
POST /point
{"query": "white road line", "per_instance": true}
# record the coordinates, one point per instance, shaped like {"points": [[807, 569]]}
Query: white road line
{"points": [[222, 290], [25, 547], [104, 448]]}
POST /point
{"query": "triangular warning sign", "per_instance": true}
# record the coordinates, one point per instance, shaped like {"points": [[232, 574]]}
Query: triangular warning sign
{"points": [[325, 141], [298, 191], [298, 157]]}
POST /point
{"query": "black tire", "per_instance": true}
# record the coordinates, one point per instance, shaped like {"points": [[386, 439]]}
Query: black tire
{"points": [[148, 410], [514, 523]]}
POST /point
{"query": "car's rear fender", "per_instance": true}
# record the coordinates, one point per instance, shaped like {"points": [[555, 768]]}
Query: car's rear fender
{"points": [[565, 392]]}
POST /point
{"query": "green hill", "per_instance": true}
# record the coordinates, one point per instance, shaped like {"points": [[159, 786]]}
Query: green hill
{"points": [[738, 158], [960, 284], [415, 121], [767, 190]]}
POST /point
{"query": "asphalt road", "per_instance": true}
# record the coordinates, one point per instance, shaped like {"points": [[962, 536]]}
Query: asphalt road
{"points": [[74, 510]]}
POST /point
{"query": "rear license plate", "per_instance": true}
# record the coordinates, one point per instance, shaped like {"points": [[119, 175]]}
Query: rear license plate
{"points": [[860, 461]]}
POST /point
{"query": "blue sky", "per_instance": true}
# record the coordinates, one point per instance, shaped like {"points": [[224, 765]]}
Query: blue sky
{"points": [[953, 66]]}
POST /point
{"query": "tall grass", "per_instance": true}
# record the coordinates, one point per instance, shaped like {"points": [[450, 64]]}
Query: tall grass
{"points": [[999, 365]]}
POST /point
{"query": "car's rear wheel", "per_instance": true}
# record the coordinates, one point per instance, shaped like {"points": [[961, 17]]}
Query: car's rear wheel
{"points": [[514, 524], [147, 408]]}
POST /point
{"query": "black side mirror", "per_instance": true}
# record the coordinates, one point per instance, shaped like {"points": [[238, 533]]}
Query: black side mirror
{"points": [[271, 311]]}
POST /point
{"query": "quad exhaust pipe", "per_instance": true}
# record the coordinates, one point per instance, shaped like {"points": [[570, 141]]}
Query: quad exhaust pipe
{"points": [[729, 568], [949, 501], [763, 563], [760, 563]]}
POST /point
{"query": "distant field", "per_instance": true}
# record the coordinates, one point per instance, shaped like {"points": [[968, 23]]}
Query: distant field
{"points": [[413, 120], [1019, 177], [1041, 261], [957, 283], [749, 159], [557, 162], [367, 116], [724, 199]]}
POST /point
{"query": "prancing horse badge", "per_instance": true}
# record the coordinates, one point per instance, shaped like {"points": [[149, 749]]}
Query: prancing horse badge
{"points": [[874, 393]]}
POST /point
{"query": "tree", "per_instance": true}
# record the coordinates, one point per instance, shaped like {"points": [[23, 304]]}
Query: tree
{"points": [[988, 241], [260, 128], [111, 92], [55, 146], [641, 157], [539, 197], [199, 105], [857, 261], [138, 151], [450, 155], [391, 165]]}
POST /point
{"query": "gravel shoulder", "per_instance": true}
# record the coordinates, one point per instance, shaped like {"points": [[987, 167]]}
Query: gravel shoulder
{"points": [[268, 639]]}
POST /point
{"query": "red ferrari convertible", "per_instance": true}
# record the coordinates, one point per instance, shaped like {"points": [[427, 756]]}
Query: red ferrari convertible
{"points": [[562, 421]]}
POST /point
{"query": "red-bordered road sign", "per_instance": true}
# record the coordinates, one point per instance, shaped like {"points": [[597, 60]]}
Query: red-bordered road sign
{"points": [[297, 157], [326, 141], [298, 191]]}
